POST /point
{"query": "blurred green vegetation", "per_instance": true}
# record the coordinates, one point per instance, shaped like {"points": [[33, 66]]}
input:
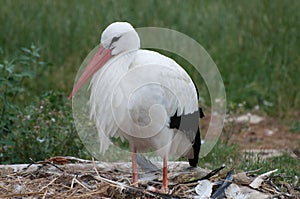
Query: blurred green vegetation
{"points": [[44, 127], [41, 130], [255, 45]]}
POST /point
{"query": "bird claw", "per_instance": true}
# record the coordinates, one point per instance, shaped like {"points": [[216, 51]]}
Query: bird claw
{"points": [[163, 190]]}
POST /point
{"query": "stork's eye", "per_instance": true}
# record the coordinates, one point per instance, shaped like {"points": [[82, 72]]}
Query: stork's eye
{"points": [[114, 39]]}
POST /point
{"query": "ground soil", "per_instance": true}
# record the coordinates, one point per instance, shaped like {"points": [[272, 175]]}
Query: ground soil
{"points": [[270, 133]]}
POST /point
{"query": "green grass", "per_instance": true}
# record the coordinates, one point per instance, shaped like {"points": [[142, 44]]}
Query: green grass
{"points": [[254, 43], [231, 156], [284, 163]]}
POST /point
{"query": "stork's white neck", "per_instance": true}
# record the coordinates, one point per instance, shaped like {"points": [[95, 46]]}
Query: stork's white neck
{"points": [[114, 68]]}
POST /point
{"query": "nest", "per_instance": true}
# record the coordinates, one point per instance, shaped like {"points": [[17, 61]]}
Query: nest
{"points": [[60, 177]]}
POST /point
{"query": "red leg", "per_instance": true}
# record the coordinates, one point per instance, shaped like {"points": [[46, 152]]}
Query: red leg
{"points": [[165, 174], [134, 168]]}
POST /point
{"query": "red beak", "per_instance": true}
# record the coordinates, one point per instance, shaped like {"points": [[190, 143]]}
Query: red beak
{"points": [[99, 59]]}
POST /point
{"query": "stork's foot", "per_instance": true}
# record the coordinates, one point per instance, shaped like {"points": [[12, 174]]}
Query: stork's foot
{"points": [[135, 184], [163, 190]]}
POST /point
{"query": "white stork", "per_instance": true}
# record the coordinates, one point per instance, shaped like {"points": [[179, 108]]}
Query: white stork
{"points": [[171, 128]]}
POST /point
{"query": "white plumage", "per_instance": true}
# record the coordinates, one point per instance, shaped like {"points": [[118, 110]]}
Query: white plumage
{"points": [[163, 74], [136, 92]]}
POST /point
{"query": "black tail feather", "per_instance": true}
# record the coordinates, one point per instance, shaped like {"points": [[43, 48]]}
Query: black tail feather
{"points": [[196, 147]]}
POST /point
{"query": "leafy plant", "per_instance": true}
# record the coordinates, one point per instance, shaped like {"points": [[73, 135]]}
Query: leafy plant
{"points": [[12, 75], [44, 129], [41, 129]]}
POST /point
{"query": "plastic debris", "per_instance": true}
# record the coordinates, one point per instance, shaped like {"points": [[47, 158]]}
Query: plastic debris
{"points": [[256, 183], [204, 189], [234, 192]]}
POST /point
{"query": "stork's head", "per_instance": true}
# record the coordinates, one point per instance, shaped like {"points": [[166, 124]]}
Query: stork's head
{"points": [[117, 38], [120, 37]]}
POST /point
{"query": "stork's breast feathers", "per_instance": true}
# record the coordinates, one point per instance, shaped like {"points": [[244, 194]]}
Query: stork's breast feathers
{"points": [[102, 86], [132, 84]]}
